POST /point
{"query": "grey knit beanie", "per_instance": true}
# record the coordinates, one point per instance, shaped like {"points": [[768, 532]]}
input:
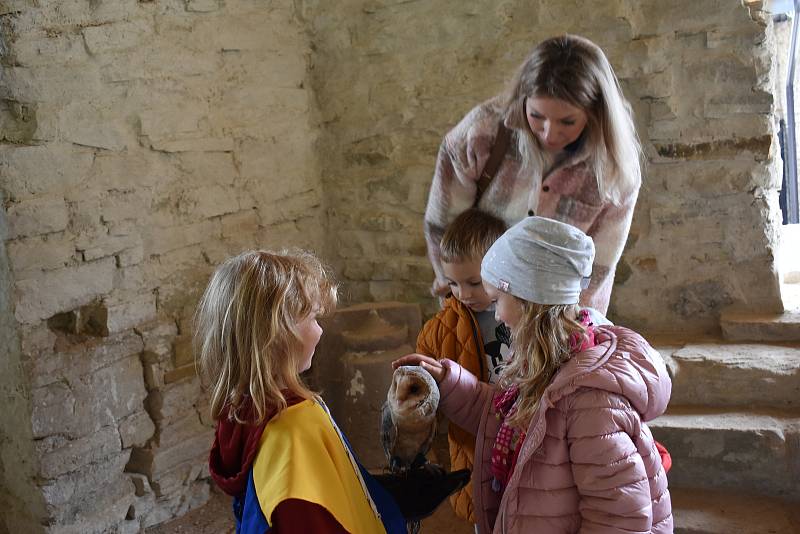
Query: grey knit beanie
{"points": [[540, 260]]}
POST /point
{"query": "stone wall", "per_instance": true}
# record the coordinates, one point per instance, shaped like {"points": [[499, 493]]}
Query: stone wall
{"points": [[142, 143], [393, 76]]}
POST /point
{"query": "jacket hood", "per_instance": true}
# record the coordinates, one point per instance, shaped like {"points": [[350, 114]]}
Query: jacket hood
{"points": [[622, 363], [236, 445]]}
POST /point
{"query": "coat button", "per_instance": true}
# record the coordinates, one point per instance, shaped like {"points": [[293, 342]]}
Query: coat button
{"points": [[546, 188]]}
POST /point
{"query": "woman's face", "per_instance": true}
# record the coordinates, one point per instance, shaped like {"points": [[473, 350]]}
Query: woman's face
{"points": [[508, 308], [555, 122], [310, 331]]}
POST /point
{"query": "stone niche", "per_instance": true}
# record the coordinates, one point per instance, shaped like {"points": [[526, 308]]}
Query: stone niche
{"points": [[145, 141]]}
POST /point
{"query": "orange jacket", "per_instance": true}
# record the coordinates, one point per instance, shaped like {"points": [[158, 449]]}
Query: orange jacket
{"points": [[454, 333]]}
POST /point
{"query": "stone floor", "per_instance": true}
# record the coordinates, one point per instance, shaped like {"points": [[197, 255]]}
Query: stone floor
{"points": [[215, 518]]}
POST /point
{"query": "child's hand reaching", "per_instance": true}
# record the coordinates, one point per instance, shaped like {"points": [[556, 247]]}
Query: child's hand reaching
{"points": [[433, 366]]}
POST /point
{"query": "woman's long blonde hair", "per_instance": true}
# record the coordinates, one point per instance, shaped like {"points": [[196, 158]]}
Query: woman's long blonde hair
{"points": [[541, 343], [245, 329], [574, 69]]}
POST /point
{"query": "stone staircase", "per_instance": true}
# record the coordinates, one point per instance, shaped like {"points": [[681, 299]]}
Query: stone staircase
{"points": [[733, 428]]}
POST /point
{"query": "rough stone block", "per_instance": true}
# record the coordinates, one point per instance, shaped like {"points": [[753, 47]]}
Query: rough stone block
{"points": [[184, 441], [117, 171], [141, 484], [63, 290], [52, 407], [133, 311], [179, 373], [735, 375], [243, 222], [290, 209], [118, 206], [99, 510], [731, 451], [59, 456], [41, 253], [131, 256], [136, 429], [37, 217], [207, 202], [726, 105], [64, 493], [105, 133], [116, 37], [158, 337], [173, 402], [174, 480], [77, 409], [161, 240], [38, 49], [133, 279], [777, 327], [212, 168], [184, 354], [174, 119], [93, 248]]}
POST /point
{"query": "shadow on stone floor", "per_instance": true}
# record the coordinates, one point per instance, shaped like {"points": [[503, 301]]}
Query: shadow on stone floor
{"points": [[215, 518]]}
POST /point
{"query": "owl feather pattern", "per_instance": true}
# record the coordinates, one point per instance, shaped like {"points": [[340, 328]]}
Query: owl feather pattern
{"points": [[409, 418]]}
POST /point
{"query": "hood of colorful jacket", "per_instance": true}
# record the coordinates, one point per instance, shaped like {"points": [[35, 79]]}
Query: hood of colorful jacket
{"points": [[623, 364], [236, 445]]}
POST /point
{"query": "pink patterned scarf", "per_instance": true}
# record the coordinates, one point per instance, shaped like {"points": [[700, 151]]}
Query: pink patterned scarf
{"points": [[509, 440]]}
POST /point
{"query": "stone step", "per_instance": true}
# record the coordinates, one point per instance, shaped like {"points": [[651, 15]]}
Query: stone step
{"points": [[746, 375], [700, 511], [757, 452], [778, 328]]}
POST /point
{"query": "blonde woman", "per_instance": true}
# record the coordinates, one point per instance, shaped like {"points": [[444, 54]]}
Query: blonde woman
{"points": [[277, 451], [571, 154], [562, 444]]}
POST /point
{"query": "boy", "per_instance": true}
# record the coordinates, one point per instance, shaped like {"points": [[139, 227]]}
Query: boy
{"points": [[465, 330]]}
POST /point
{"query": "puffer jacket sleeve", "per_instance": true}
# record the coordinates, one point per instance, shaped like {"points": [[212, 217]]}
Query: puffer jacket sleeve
{"points": [[609, 472], [464, 398]]}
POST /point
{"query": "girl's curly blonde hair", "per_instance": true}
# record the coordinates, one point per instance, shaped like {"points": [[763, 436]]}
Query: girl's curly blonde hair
{"points": [[541, 343], [245, 329]]}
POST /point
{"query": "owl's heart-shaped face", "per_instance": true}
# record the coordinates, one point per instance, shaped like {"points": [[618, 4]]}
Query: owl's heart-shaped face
{"points": [[410, 391]]}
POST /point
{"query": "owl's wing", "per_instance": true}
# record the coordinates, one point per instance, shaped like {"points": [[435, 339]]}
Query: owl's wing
{"points": [[425, 446], [388, 431]]}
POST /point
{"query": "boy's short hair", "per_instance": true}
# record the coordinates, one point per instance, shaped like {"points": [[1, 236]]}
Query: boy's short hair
{"points": [[470, 235]]}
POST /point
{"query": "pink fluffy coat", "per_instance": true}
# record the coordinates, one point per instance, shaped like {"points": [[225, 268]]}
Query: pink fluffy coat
{"points": [[589, 463]]}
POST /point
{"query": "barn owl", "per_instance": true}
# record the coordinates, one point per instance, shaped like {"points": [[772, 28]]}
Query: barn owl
{"points": [[409, 418]]}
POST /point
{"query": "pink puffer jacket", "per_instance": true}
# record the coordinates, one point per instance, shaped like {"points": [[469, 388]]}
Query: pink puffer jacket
{"points": [[589, 463]]}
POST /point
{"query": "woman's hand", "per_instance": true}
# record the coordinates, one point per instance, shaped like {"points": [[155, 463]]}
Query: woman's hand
{"points": [[433, 366]]}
